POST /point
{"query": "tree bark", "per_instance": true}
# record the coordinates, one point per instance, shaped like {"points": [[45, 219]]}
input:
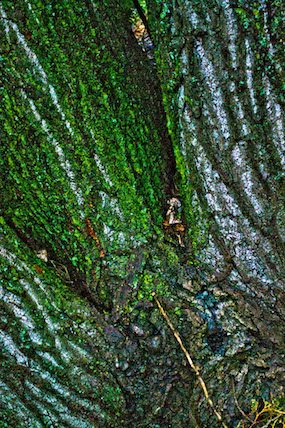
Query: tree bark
{"points": [[121, 178], [223, 73]]}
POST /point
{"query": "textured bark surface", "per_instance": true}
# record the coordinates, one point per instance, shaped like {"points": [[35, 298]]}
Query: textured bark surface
{"points": [[97, 136], [223, 72]]}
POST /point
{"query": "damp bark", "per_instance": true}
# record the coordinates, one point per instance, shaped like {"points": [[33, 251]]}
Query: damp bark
{"points": [[98, 138]]}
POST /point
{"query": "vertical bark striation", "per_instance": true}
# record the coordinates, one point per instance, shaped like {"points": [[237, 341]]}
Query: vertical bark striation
{"points": [[226, 105], [84, 178], [87, 166]]}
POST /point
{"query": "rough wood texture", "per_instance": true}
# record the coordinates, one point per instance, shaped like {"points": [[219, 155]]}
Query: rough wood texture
{"points": [[97, 140], [222, 70]]}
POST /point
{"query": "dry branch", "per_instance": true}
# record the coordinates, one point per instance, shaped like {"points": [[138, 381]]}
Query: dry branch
{"points": [[190, 361]]}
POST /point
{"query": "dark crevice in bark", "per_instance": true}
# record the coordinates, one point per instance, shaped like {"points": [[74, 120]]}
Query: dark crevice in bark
{"points": [[158, 115], [142, 16], [138, 68], [77, 279]]}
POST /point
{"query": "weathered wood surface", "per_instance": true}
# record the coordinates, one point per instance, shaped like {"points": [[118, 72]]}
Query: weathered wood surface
{"points": [[222, 70], [89, 159]]}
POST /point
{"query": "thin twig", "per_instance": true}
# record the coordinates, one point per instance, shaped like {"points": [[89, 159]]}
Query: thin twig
{"points": [[236, 401], [190, 361], [256, 420]]}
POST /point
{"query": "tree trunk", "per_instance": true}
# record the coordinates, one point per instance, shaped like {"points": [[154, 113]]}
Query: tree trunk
{"points": [[222, 73], [121, 177]]}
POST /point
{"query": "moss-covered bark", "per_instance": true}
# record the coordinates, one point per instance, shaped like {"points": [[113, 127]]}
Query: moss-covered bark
{"points": [[96, 138]]}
